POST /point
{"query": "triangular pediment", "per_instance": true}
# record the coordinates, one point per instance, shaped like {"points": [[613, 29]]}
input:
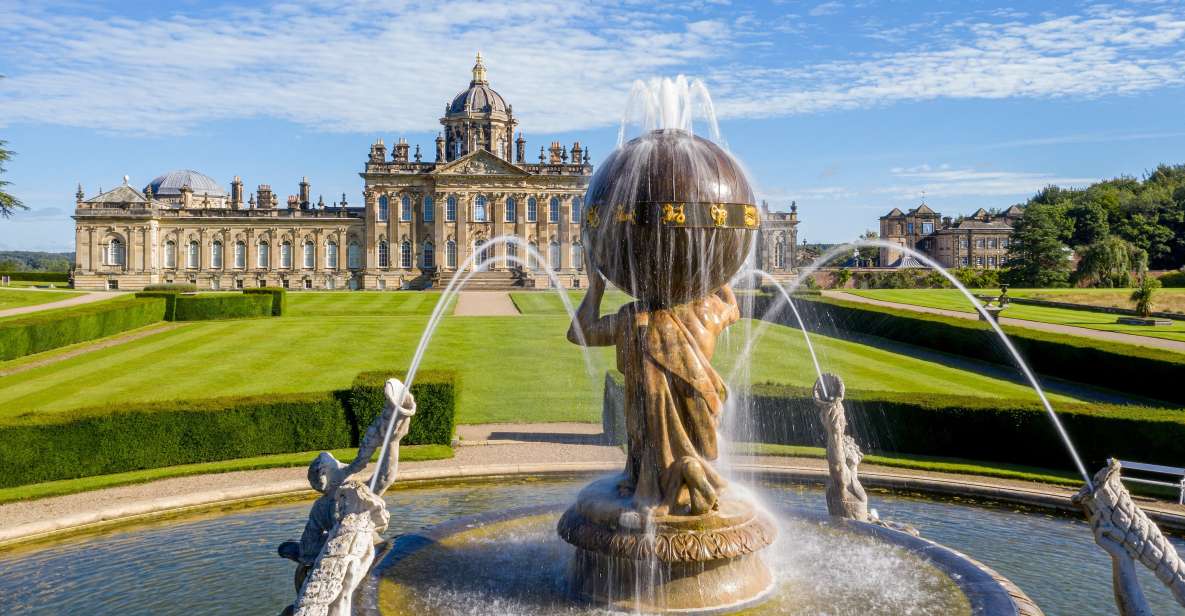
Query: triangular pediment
{"points": [[481, 162], [121, 194]]}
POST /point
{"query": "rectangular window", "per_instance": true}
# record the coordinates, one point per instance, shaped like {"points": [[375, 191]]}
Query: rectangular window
{"points": [[112, 285], [285, 283], [979, 243], [978, 261], [910, 227], [927, 228], [450, 209], [991, 262], [239, 283], [963, 261], [308, 284], [962, 242], [991, 242], [532, 210], [215, 284], [405, 210], [428, 213]]}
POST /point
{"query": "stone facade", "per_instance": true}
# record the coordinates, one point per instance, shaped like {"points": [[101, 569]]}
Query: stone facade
{"points": [[418, 222], [777, 241], [980, 240]]}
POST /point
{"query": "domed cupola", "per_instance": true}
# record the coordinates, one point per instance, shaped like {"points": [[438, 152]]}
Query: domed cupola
{"points": [[170, 184], [478, 118]]}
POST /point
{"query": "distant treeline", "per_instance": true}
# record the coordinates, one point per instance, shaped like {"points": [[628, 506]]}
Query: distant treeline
{"points": [[29, 261]]}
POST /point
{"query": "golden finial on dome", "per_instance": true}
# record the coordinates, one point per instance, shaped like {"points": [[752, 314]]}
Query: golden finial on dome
{"points": [[479, 72]]}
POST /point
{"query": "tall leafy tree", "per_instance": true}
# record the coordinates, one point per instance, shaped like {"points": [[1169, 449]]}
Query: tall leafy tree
{"points": [[1038, 255], [8, 203], [1107, 263]]}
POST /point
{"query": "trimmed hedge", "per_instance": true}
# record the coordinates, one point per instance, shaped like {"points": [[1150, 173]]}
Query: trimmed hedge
{"points": [[117, 439], [1142, 371], [222, 306], [62, 277], [170, 298], [436, 396], [279, 298], [987, 429], [175, 287], [48, 330]]}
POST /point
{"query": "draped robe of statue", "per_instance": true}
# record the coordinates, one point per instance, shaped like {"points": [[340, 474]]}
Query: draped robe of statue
{"points": [[673, 400]]}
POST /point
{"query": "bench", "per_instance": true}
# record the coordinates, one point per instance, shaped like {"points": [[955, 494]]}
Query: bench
{"points": [[1177, 473]]}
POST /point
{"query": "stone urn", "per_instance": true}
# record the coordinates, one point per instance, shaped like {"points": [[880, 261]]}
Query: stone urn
{"points": [[670, 217]]}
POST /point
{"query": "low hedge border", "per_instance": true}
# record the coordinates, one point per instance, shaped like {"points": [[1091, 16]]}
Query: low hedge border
{"points": [[38, 276], [49, 330], [222, 306], [987, 429], [436, 394], [1141, 371], [279, 298], [36, 448]]}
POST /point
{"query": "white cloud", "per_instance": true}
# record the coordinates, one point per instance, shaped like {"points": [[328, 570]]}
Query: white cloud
{"points": [[825, 8], [947, 181], [364, 66]]}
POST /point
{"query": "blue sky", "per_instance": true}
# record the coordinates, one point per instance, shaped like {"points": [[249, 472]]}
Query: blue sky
{"points": [[849, 107]]}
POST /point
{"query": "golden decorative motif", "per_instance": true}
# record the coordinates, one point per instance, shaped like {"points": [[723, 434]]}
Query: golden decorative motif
{"points": [[592, 217], [673, 213], [751, 216], [626, 215], [719, 214]]}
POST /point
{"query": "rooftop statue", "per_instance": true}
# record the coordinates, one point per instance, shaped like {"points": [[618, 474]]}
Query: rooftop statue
{"points": [[345, 523]]}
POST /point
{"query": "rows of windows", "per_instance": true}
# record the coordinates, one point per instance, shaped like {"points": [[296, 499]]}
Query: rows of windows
{"points": [[482, 211]]}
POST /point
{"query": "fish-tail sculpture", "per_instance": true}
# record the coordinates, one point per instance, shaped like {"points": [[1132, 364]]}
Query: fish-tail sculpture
{"points": [[1125, 532], [845, 496]]}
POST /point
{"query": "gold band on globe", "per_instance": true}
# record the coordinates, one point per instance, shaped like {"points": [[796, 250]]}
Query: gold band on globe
{"points": [[686, 214]]}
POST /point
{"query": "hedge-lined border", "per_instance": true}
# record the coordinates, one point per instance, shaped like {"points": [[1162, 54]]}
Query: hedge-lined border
{"points": [[1140, 371], [987, 429], [436, 392], [279, 298], [38, 276], [48, 330], [115, 439], [222, 306]]}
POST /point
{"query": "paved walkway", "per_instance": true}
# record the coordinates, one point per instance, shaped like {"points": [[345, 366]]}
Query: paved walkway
{"points": [[498, 449], [70, 301], [485, 304], [1145, 341]]}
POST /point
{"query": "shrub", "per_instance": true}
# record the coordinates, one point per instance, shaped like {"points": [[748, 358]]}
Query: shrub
{"points": [[62, 277], [176, 287], [436, 408], [222, 306], [989, 429], [170, 298], [1173, 280], [279, 298], [56, 328], [1142, 371], [117, 439]]}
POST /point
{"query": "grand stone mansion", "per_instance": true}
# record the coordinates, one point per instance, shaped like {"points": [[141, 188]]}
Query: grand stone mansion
{"points": [[979, 240], [418, 221]]}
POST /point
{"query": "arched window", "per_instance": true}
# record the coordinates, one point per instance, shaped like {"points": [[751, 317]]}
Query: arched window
{"points": [[553, 210], [578, 256], [264, 255], [115, 252], [780, 255], [577, 205], [532, 209], [240, 255], [384, 208], [170, 254], [512, 255], [450, 209], [450, 254], [479, 209], [384, 254], [554, 255], [310, 255], [405, 254], [511, 209], [216, 255], [195, 254], [429, 257], [286, 255], [533, 257], [428, 213], [405, 209], [354, 255], [331, 255]]}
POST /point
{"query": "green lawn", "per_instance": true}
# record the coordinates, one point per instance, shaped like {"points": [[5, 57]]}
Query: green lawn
{"points": [[1167, 300], [549, 302], [511, 368], [114, 297], [17, 299], [952, 299], [347, 303]]}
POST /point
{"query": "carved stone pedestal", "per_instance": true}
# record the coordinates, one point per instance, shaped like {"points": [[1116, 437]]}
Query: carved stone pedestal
{"points": [[671, 563]]}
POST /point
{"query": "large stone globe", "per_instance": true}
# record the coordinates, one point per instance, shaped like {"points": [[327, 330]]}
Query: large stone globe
{"points": [[670, 217]]}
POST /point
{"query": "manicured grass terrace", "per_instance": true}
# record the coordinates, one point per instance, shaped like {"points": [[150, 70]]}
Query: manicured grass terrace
{"points": [[17, 299], [953, 299], [512, 369]]}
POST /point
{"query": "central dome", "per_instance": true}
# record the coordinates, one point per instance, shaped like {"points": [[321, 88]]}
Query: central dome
{"points": [[479, 97], [169, 184]]}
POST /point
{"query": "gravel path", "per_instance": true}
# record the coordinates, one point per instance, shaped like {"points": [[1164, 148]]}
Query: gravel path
{"points": [[97, 296], [485, 304], [1146, 341]]}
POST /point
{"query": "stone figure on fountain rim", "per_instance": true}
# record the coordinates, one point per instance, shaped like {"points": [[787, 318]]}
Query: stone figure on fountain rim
{"points": [[673, 395], [347, 511]]}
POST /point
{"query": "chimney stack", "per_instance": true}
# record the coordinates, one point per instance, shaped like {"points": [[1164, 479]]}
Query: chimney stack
{"points": [[236, 193], [304, 197]]}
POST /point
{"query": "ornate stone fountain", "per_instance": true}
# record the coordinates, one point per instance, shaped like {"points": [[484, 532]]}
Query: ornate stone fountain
{"points": [[671, 218]]}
